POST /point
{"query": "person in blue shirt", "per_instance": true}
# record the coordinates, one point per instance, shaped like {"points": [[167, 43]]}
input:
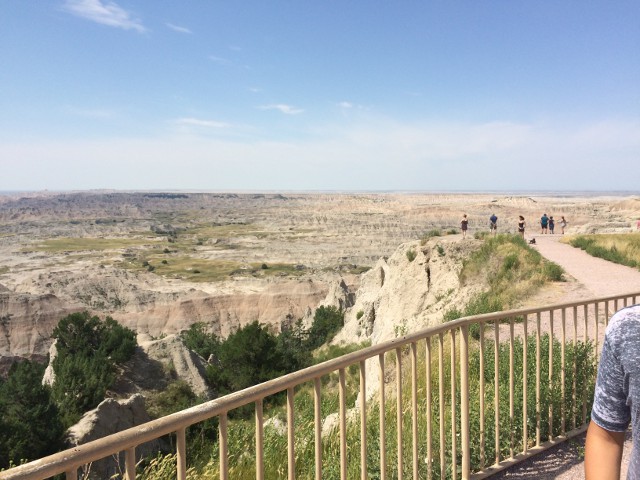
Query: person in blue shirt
{"points": [[544, 221], [493, 223]]}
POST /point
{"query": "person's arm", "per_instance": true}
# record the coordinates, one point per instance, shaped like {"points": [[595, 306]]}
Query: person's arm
{"points": [[603, 453]]}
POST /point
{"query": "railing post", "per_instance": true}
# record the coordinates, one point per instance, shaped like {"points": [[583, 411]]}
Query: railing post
{"points": [[363, 421], [482, 407], [130, 463], [181, 454], [399, 410], [441, 400], [383, 435], [259, 440], [71, 474], [343, 424], [464, 402], [525, 413], [317, 415], [429, 409], [496, 386], [291, 453], [538, 360], [511, 389], [454, 421], [224, 447], [414, 407]]}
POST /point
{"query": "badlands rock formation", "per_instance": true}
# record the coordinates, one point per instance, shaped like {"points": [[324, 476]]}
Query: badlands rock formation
{"points": [[134, 255], [109, 417], [26, 324]]}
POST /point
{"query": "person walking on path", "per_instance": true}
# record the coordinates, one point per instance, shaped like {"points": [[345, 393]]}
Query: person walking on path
{"points": [[464, 224], [552, 224], [563, 223], [521, 226], [493, 223], [544, 221]]}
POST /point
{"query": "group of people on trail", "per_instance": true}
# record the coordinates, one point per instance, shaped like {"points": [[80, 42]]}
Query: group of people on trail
{"points": [[547, 224]]}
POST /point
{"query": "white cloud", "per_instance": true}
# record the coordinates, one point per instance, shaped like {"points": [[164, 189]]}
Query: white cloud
{"points": [[281, 107], [220, 60], [177, 28], [106, 13], [196, 122], [345, 105]]}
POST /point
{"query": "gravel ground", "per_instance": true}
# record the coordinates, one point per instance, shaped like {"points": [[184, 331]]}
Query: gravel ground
{"points": [[594, 277]]}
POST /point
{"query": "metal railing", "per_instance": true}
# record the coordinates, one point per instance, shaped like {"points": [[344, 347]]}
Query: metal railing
{"points": [[514, 384]]}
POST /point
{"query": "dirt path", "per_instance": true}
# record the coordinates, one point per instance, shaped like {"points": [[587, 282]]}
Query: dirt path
{"points": [[590, 278]]}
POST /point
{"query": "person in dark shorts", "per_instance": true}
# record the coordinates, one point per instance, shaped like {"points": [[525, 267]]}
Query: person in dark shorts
{"points": [[552, 225], [493, 223], [464, 225], [521, 226], [544, 221]]}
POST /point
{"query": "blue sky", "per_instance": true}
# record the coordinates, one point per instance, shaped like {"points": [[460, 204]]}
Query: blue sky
{"points": [[322, 95]]}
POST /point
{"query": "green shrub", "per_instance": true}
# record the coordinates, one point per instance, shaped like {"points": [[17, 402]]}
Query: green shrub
{"points": [[29, 419], [411, 255], [430, 234], [359, 314], [326, 323], [621, 249], [88, 352]]}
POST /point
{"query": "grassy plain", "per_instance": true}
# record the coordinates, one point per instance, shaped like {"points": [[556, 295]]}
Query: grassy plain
{"points": [[60, 245], [623, 248]]}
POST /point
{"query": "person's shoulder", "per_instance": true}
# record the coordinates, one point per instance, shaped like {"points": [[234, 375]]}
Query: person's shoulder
{"points": [[624, 325]]}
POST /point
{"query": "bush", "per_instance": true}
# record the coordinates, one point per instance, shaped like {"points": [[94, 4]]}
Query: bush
{"points": [[326, 323], [430, 234], [29, 420], [359, 314], [411, 255], [604, 246], [88, 352], [253, 355]]}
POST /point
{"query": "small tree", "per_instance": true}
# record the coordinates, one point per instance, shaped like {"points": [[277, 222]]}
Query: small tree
{"points": [[29, 420], [326, 323]]}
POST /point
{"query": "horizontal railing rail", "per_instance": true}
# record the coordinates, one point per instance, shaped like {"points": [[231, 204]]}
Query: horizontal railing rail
{"points": [[494, 395]]}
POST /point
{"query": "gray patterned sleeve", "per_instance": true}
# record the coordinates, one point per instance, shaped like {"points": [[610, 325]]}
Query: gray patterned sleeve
{"points": [[610, 410]]}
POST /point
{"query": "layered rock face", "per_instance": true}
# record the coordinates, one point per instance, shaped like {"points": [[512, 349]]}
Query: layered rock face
{"points": [[26, 324]]}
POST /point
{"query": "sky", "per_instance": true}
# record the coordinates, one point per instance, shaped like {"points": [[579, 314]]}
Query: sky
{"points": [[320, 95]]}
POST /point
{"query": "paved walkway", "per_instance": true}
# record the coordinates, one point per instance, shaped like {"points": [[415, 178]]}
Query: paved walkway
{"points": [[595, 278], [599, 277]]}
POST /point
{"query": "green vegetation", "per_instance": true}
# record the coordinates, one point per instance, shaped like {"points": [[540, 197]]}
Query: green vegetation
{"points": [[58, 245], [411, 255], [511, 269], [29, 419], [579, 372], [327, 321], [618, 248], [430, 234], [33, 416], [89, 350], [253, 354]]}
